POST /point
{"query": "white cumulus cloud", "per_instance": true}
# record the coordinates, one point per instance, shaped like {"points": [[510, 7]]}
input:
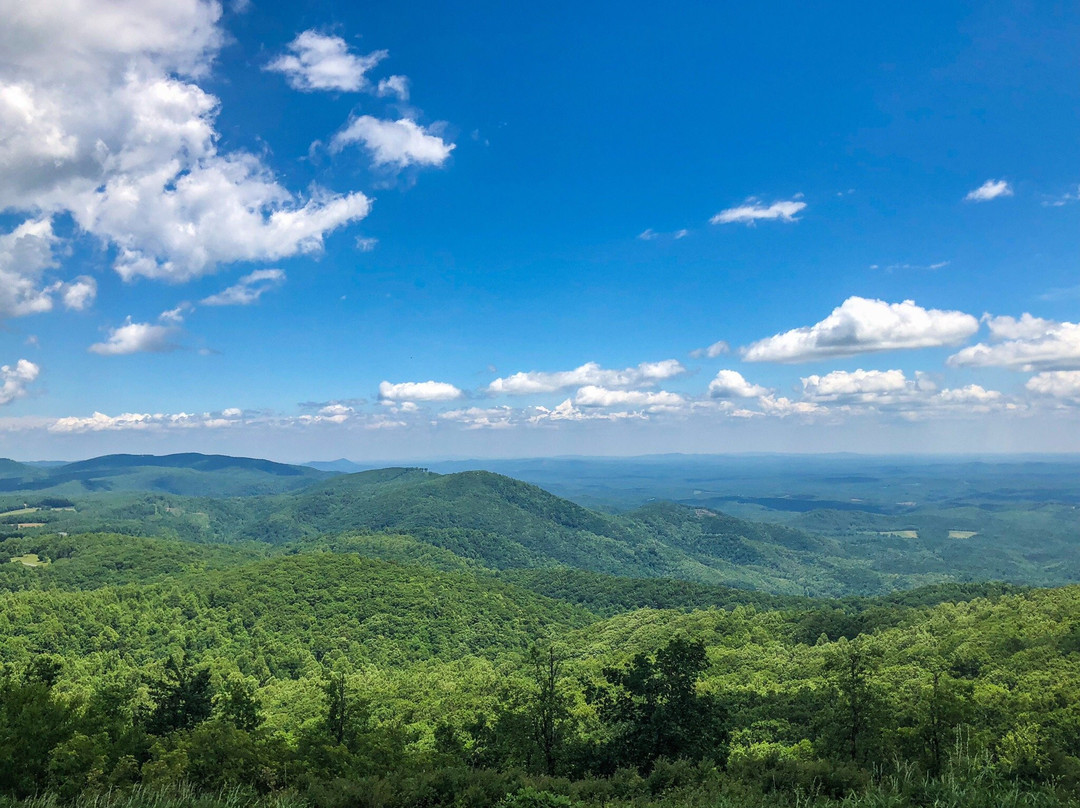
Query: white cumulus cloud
{"points": [[482, 417], [991, 189], [103, 119], [1056, 383], [532, 382], [841, 383], [861, 325], [1025, 326], [418, 391], [14, 380], [593, 396], [892, 392], [781, 407], [320, 62], [970, 394], [398, 143], [731, 384], [136, 338], [333, 414], [26, 256], [1027, 344], [100, 422], [566, 411], [79, 293], [753, 210]]}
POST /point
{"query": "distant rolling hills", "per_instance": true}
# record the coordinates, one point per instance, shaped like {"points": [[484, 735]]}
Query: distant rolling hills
{"points": [[187, 474], [487, 521]]}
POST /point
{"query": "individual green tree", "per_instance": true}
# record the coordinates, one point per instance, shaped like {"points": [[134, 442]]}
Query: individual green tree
{"points": [[220, 755], [549, 709], [34, 720], [43, 669], [942, 709], [78, 764], [339, 708], [476, 744], [346, 715], [653, 709], [238, 703], [182, 697], [852, 717]]}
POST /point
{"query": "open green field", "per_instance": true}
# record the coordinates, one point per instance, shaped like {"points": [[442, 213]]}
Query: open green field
{"points": [[19, 512], [29, 560]]}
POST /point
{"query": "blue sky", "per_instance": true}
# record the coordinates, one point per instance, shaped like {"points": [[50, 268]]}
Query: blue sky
{"points": [[419, 230]]}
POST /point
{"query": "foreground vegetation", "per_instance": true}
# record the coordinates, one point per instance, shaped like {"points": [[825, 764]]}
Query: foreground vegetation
{"points": [[399, 638], [332, 679]]}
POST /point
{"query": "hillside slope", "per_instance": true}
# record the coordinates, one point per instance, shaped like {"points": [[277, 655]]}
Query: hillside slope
{"points": [[480, 519], [282, 615], [504, 523], [187, 474]]}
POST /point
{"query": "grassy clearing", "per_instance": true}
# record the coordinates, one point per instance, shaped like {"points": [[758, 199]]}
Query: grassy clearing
{"points": [[901, 534], [962, 534], [20, 512], [29, 560]]}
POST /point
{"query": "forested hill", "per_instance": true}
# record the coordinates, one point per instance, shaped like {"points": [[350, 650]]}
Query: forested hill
{"points": [[187, 474], [482, 519], [504, 523]]}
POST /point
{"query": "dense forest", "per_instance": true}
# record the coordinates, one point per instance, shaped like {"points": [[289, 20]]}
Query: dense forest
{"points": [[501, 523], [358, 642]]}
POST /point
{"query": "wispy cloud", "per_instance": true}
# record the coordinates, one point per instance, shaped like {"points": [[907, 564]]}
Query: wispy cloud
{"points": [[1064, 199], [249, 289], [651, 235], [903, 267], [718, 348], [753, 210], [397, 86]]}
